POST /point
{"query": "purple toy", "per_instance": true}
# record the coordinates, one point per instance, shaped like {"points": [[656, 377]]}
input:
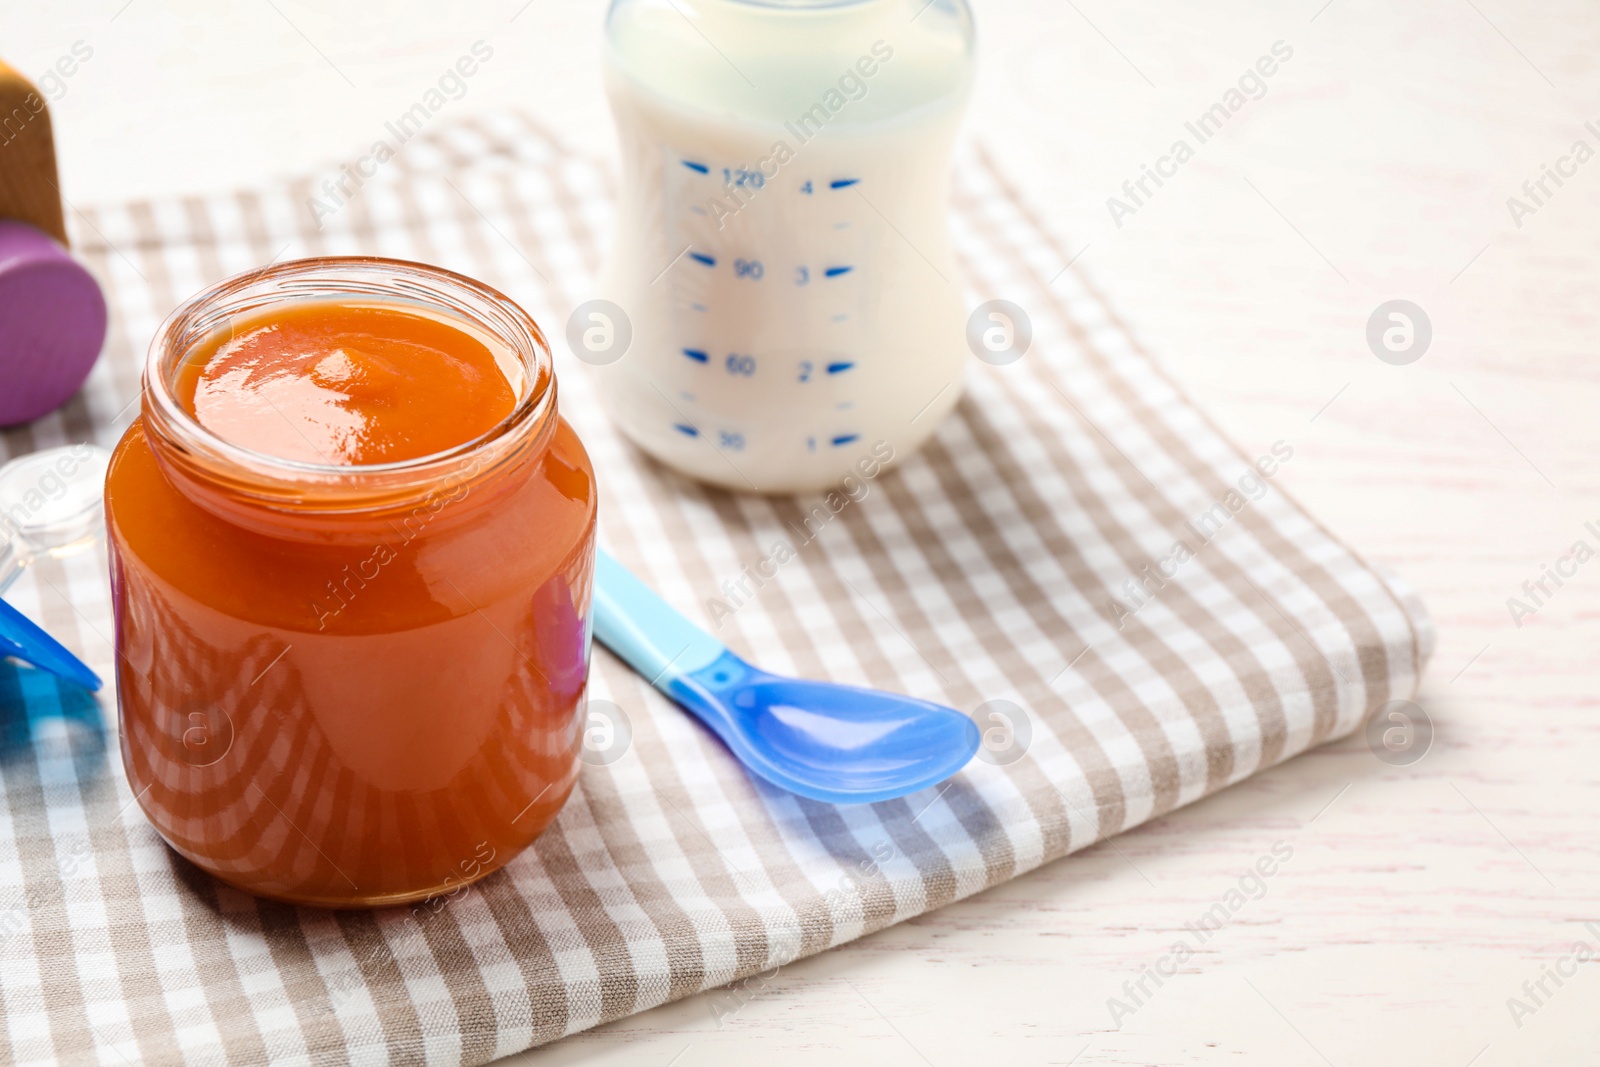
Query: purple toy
{"points": [[52, 323]]}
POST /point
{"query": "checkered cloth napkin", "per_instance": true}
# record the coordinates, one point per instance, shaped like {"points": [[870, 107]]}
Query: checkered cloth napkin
{"points": [[1025, 566]]}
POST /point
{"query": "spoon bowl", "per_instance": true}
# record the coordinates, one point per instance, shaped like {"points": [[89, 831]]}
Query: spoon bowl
{"points": [[836, 743]]}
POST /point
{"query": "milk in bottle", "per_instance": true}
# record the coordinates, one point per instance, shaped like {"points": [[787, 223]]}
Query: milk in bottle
{"points": [[782, 249]]}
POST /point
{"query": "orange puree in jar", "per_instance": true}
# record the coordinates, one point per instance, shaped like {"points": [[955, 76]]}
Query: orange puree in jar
{"points": [[352, 550], [343, 383]]}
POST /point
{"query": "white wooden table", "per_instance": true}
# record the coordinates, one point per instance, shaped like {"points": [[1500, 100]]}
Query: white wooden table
{"points": [[1377, 166]]}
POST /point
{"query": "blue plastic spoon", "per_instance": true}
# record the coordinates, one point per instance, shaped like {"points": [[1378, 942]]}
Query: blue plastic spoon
{"points": [[21, 638], [835, 743]]}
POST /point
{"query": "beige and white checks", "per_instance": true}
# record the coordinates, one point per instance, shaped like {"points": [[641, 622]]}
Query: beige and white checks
{"points": [[1025, 563]]}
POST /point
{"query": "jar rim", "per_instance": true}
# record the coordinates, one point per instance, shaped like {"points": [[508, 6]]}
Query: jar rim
{"points": [[404, 282]]}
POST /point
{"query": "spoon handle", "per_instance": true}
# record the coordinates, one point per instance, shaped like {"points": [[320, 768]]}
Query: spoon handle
{"points": [[636, 624], [19, 637]]}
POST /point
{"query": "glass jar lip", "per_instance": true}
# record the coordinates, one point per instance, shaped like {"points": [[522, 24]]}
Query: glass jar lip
{"points": [[333, 276]]}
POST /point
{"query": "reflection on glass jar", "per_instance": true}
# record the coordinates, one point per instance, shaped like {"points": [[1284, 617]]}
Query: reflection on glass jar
{"points": [[342, 681]]}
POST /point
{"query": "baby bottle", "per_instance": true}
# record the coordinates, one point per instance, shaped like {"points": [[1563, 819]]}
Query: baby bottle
{"points": [[790, 305]]}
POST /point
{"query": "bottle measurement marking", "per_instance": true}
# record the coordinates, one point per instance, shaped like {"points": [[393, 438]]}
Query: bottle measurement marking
{"points": [[742, 365], [739, 177]]}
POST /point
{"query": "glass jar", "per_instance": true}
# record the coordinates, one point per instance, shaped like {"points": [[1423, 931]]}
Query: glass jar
{"points": [[351, 685], [782, 258]]}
